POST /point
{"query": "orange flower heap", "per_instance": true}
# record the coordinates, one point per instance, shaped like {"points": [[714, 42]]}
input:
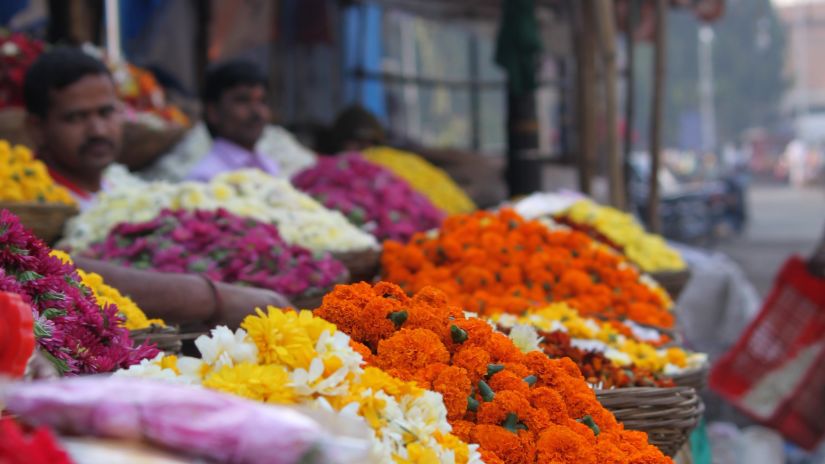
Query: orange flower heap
{"points": [[519, 408], [499, 262]]}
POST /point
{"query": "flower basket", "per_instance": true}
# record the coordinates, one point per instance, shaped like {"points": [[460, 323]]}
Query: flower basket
{"points": [[672, 281], [309, 300], [667, 415], [363, 265], [143, 143], [168, 339], [45, 220], [696, 378]]}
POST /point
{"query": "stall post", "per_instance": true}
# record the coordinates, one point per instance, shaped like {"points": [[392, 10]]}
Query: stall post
{"points": [[656, 115]]}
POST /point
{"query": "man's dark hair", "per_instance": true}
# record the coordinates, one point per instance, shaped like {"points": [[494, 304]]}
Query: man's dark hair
{"points": [[231, 74], [57, 69], [356, 124]]}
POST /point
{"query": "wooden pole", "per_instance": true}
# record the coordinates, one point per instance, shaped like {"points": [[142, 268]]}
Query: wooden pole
{"points": [[585, 93], [605, 19], [656, 115], [113, 48], [630, 96]]}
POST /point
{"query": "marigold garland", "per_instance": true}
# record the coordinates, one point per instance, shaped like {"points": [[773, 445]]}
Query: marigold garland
{"points": [[519, 407], [493, 263]]}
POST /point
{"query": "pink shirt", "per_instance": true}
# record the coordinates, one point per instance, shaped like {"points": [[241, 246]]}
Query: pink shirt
{"points": [[226, 156]]}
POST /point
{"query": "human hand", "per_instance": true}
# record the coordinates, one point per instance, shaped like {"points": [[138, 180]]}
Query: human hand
{"points": [[237, 302]]}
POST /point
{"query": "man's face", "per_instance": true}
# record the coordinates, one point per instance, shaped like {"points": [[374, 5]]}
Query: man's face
{"points": [[240, 115], [83, 128]]}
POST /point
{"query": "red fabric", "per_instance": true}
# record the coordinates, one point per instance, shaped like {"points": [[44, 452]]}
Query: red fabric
{"points": [[791, 320], [65, 182]]}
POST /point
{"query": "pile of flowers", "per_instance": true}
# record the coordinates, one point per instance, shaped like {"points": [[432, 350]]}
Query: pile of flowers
{"points": [[370, 196], [76, 332], [248, 193], [424, 177], [492, 263], [286, 357], [133, 317], [623, 232], [17, 52], [23, 178], [222, 246], [513, 401], [624, 344], [141, 91]]}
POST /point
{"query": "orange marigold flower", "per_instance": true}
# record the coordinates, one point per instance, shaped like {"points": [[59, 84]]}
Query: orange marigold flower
{"points": [[455, 387], [362, 349], [474, 359], [558, 444], [507, 446], [506, 380], [502, 349], [551, 401], [504, 403], [411, 349]]}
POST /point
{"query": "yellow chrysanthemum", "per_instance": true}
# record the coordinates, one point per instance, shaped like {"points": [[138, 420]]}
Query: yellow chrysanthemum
{"points": [[268, 383], [24, 178], [424, 177], [453, 443], [418, 454], [170, 362], [135, 318], [676, 356], [285, 337], [376, 379]]}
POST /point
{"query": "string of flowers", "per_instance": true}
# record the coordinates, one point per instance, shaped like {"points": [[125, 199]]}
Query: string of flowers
{"points": [[75, 332], [248, 193], [287, 357], [23, 178], [513, 401], [134, 317], [17, 52], [224, 247], [491, 263], [622, 344], [370, 196]]}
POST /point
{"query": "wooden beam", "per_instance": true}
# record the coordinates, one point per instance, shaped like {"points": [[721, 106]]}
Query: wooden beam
{"points": [[605, 20], [585, 44], [656, 115]]}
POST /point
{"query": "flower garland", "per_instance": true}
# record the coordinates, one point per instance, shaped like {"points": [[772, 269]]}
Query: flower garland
{"points": [[518, 407], [370, 196], [249, 193], [23, 178], [17, 52], [622, 345], [424, 177], [134, 317], [76, 333], [493, 263], [287, 357], [621, 231], [224, 247]]}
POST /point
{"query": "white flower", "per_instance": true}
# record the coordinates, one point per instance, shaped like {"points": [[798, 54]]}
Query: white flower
{"points": [[526, 338], [151, 369], [192, 368], [312, 381], [474, 455], [225, 348], [618, 357]]}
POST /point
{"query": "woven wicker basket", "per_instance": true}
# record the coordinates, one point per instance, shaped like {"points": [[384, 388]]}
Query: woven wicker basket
{"points": [[168, 339], [667, 415], [363, 265], [672, 281], [696, 378], [45, 220]]}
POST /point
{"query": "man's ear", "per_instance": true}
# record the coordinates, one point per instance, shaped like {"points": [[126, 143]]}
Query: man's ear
{"points": [[35, 130]]}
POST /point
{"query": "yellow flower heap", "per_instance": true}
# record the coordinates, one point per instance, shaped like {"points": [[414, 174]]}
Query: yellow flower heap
{"points": [[104, 294], [618, 347], [286, 357], [25, 179], [648, 251], [427, 179]]}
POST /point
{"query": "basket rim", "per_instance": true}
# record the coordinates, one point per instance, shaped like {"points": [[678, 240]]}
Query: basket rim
{"points": [[4, 204]]}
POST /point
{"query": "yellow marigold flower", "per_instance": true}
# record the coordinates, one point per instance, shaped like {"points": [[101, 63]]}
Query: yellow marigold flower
{"points": [[418, 454], [23, 178], [676, 356], [376, 379], [135, 318], [424, 177], [453, 443], [268, 383], [285, 337]]}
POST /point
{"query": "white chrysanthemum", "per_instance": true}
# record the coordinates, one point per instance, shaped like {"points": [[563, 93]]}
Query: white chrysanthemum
{"points": [[526, 338], [192, 368], [312, 381], [618, 357], [151, 369], [224, 348], [588, 345], [474, 456]]}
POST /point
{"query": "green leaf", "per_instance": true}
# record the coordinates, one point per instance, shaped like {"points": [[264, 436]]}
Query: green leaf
{"points": [[458, 334], [493, 369], [59, 364], [485, 391], [51, 313], [52, 296], [40, 331], [512, 423], [18, 251], [28, 276], [472, 404], [588, 421], [531, 380], [398, 318]]}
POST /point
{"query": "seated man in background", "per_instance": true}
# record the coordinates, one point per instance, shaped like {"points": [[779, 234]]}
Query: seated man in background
{"points": [[355, 128], [75, 122]]}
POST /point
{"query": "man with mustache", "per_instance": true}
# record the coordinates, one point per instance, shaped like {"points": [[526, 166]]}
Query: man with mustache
{"points": [[75, 121], [236, 113]]}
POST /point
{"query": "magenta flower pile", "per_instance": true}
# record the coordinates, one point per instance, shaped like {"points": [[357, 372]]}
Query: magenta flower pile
{"points": [[370, 196], [222, 246], [75, 333]]}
